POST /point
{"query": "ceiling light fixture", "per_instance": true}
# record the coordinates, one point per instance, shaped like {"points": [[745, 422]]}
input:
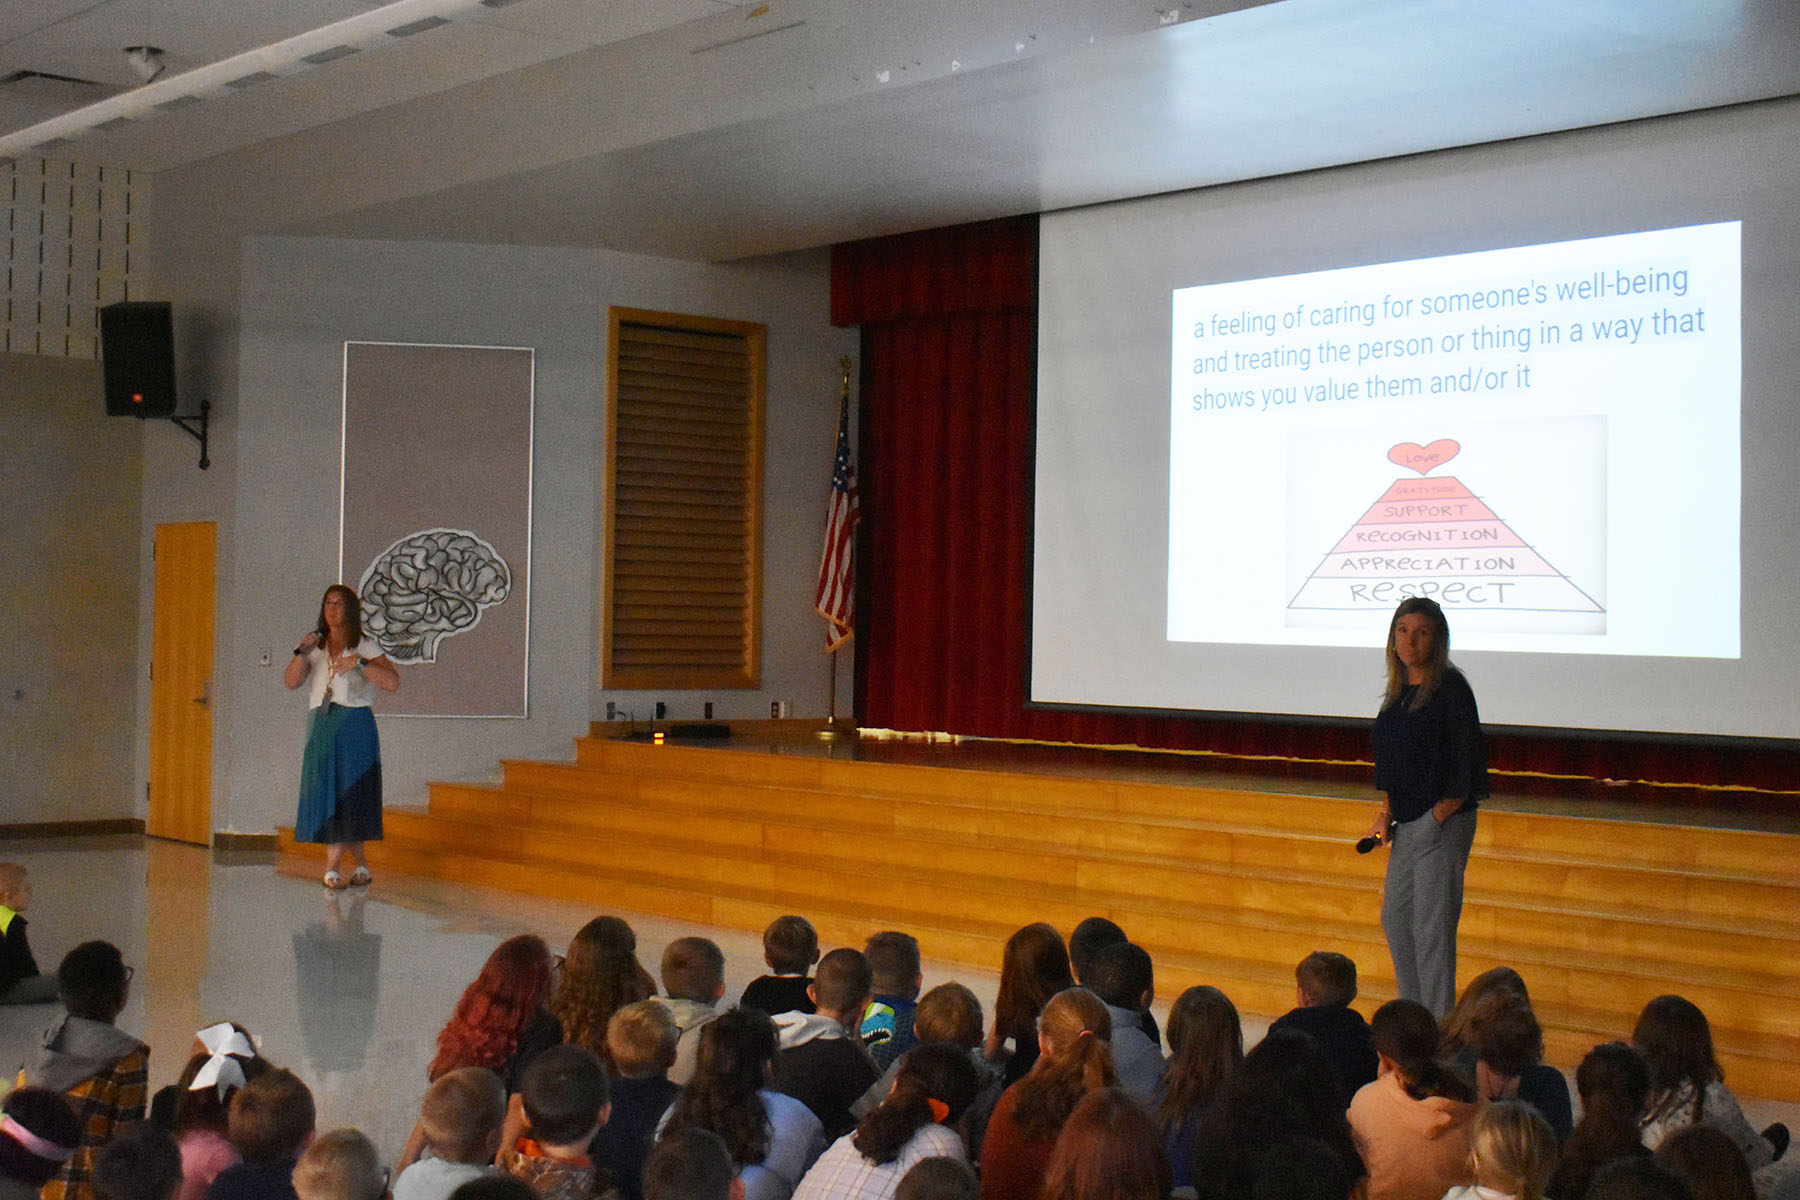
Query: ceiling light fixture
{"points": [[146, 61]]}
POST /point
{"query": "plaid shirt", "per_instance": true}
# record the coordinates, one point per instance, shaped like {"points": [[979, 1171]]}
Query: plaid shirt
{"points": [[106, 1104]]}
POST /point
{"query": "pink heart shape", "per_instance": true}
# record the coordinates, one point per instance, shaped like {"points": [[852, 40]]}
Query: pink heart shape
{"points": [[1424, 459]]}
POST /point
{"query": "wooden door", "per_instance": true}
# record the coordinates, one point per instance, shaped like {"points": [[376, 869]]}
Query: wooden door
{"points": [[181, 672]]}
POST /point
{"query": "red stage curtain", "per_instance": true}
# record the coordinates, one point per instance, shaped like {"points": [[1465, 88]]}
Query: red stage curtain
{"points": [[949, 323]]}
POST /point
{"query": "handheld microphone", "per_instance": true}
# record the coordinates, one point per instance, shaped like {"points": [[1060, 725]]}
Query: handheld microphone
{"points": [[1364, 845]]}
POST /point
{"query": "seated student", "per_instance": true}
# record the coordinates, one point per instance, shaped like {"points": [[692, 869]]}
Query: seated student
{"points": [[1206, 1046], [271, 1122], [565, 1097], [1324, 986], [772, 1138], [1109, 1149], [1075, 1058], [1708, 1162], [1512, 1153], [822, 1062], [887, 1026], [37, 1135], [939, 1179], [950, 1014], [1123, 977], [341, 1165], [1283, 1090], [691, 1164], [1089, 938], [790, 947], [102, 1071], [1034, 966], [141, 1164], [460, 1118], [917, 1121], [693, 979], [640, 1040], [1687, 1087], [20, 981], [199, 1111], [1412, 1124], [1614, 1083], [1509, 1054]]}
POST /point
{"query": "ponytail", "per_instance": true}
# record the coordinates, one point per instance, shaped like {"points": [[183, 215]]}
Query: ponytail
{"points": [[1078, 1059], [936, 1083]]}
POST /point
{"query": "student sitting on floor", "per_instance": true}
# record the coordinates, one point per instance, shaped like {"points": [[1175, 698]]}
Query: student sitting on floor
{"points": [[272, 1121], [142, 1164], [822, 1062], [691, 1164], [1412, 1124], [341, 1165], [935, 1083], [1614, 1083], [38, 1133], [460, 1119], [1509, 1053], [772, 1138], [1512, 1152], [20, 981], [1086, 941], [199, 1114], [790, 947], [887, 1026], [1324, 986], [1124, 979], [565, 1097], [693, 978], [102, 1071], [640, 1040]]}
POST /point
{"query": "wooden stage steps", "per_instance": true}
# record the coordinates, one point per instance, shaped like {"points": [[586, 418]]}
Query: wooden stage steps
{"points": [[1226, 886]]}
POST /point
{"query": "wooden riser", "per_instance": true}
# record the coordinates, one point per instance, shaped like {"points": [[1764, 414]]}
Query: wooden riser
{"points": [[1165, 915], [1223, 887], [730, 813]]}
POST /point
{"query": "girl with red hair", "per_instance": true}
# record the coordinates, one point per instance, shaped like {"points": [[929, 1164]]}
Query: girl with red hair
{"points": [[502, 1021]]}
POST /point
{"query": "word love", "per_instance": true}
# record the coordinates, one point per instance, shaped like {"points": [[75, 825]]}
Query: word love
{"points": [[1424, 459]]}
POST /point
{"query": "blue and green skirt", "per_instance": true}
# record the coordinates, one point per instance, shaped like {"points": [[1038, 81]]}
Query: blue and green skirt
{"points": [[340, 778]]}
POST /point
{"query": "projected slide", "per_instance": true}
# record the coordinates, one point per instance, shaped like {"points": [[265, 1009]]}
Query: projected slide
{"points": [[1543, 439]]}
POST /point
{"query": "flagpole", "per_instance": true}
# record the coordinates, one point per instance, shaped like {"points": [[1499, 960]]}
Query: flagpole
{"points": [[829, 731]]}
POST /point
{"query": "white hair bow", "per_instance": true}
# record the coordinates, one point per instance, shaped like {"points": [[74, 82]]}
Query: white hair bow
{"points": [[222, 1071]]}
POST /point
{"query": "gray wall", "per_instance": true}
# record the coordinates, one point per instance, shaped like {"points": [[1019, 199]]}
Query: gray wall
{"points": [[70, 545], [301, 299]]}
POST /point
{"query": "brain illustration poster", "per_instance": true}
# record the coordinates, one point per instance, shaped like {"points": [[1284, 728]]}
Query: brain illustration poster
{"points": [[435, 527]]}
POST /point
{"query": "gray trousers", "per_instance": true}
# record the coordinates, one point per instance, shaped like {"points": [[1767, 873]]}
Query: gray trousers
{"points": [[1421, 904]]}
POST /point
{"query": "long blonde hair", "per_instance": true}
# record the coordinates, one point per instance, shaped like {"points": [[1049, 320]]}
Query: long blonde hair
{"points": [[1440, 652], [1513, 1150]]}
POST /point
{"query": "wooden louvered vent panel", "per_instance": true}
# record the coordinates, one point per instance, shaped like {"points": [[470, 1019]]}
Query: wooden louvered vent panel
{"points": [[682, 595]]}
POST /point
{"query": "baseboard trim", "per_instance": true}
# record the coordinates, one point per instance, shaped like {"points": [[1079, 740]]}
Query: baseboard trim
{"points": [[57, 829], [239, 842]]}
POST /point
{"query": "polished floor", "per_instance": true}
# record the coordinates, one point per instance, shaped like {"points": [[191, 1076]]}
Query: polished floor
{"points": [[346, 989]]}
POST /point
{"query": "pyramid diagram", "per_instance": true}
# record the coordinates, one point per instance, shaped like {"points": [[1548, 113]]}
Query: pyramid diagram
{"points": [[1434, 537]]}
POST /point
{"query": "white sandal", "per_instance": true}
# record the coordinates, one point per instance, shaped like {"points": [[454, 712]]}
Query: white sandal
{"points": [[360, 877], [334, 881]]}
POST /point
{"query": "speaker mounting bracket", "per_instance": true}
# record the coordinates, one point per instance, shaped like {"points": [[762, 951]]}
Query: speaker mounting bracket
{"points": [[197, 431]]}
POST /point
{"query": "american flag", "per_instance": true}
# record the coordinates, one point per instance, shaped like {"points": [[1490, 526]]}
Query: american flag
{"points": [[836, 596]]}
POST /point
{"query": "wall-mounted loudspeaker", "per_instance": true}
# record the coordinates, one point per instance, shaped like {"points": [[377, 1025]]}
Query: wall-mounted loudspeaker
{"points": [[137, 359]]}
